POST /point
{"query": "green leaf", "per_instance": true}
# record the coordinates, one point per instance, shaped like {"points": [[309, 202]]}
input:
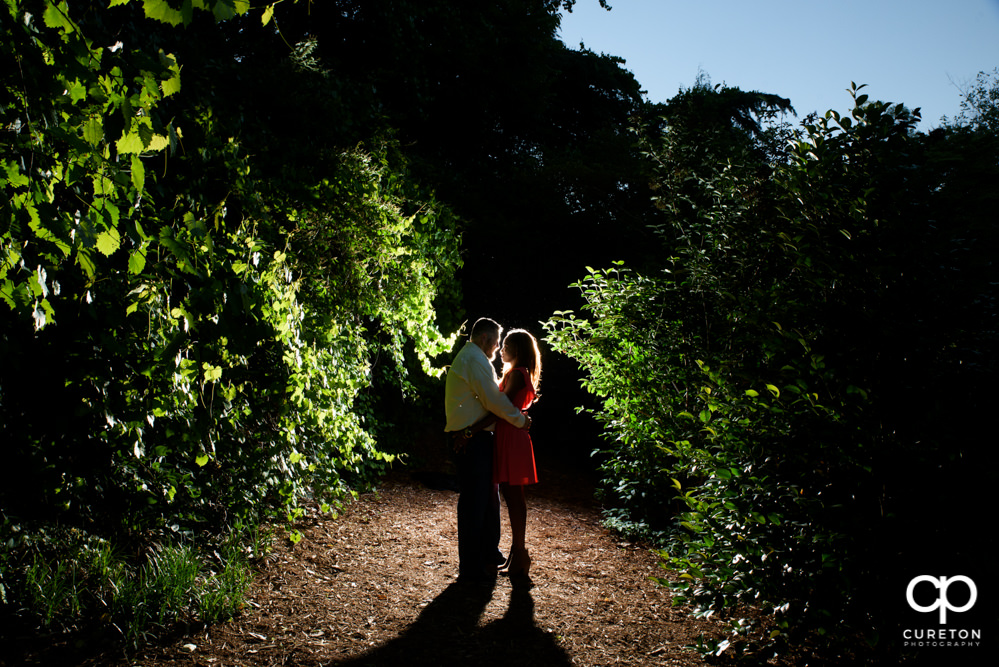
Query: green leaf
{"points": [[76, 91], [138, 173], [212, 373], [160, 10], [86, 262], [157, 142], [227, 9], [7, 292], [265, 18], [14, 175], [130, 143], [171, 85], [774, 390], [137, 260], [108, 241], [93, 131], [146, 133], [202, 460], [108, 212], [57, 16]]}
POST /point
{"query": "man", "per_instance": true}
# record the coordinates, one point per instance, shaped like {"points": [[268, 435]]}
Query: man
{"points": [[471, 393]]}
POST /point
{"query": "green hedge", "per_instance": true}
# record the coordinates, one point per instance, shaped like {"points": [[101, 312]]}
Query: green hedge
{"points": [[769, 391]]}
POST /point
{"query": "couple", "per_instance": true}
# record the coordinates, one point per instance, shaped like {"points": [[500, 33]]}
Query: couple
{"points": [[488, 429]]}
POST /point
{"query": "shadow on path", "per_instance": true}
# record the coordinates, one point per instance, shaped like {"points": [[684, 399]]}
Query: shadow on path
{"points": [[447, 632]]}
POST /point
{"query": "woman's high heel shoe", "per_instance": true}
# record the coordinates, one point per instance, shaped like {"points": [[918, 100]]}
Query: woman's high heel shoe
{"points": [[518, 565], [505, 565]]}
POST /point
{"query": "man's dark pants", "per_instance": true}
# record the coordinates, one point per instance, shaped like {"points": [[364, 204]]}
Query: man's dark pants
{"points": [[478, 508]]}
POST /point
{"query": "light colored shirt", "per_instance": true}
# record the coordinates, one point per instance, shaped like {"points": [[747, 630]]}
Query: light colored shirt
{"points": [[471, 391]]}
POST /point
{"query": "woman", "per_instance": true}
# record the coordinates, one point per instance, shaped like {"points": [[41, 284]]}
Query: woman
{"points": [[513, 462]]}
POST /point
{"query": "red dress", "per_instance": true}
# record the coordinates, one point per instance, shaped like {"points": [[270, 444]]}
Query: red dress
{"points": [[513, 455]]}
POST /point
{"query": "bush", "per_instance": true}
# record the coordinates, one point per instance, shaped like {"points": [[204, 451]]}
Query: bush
{"points": [[187, 327], [777, 375]]}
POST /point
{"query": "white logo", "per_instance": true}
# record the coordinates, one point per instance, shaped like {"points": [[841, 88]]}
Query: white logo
{"points": [[942, 603]]}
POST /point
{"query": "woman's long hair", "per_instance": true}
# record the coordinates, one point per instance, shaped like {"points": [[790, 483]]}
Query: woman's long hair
{"points": [[525, 349]]}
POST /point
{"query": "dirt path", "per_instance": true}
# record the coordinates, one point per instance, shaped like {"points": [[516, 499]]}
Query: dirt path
{"points": [[376, 587]]}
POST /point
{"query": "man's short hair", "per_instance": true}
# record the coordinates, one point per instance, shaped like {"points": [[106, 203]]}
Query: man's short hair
{"points": [[486, 327]]}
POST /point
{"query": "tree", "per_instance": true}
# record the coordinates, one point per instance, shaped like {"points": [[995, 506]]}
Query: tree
{"points": [[777, 378], [188, 325], [980, 108], [528, 141]]}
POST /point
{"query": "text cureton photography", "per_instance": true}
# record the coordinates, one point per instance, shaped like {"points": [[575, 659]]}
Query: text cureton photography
{"points": [[927, 594]]}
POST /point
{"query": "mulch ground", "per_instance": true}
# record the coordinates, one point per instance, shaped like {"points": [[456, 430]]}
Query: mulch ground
{"points": [[376, 586]]}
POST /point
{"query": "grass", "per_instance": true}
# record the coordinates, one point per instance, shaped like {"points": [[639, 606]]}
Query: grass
{"points": [[72, 581]]}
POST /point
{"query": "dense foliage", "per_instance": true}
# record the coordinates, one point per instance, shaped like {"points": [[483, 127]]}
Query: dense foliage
{"points": [[231, 244], [226, 275], [773, 396], [186, 329]]}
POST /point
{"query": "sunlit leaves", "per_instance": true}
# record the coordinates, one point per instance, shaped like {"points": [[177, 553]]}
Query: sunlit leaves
{"points": [[161, 10], [138, 174], [167, 11], [57, 16], [109, 241], [142, 138], [227, 9], [228, 338], [170, 85], [137, 260], [212, 373], [93, 131], [76, 187], [15, 177]]}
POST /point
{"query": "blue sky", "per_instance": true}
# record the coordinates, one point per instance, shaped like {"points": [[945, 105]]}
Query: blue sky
{"points": [[918, 52]]}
